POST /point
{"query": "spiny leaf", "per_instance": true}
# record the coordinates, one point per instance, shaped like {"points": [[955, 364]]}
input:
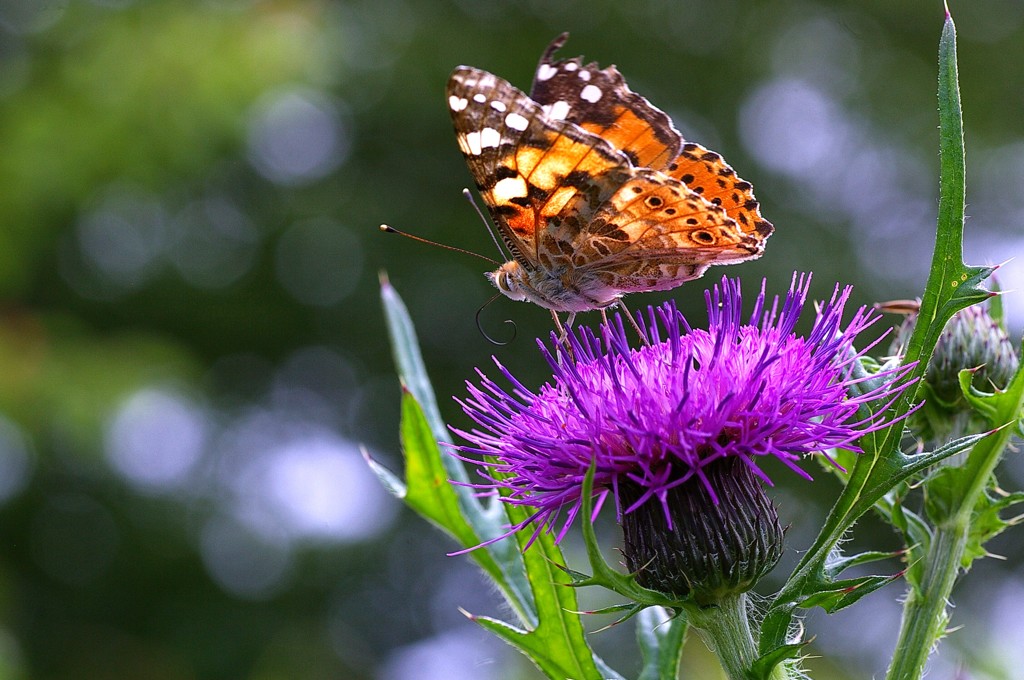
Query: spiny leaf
{"points": [[557, 643], [952, 285], [422, 429], [661, 636], [836, 566], [553, 637], [432, 496], [837, 595], [763, 667], [987, 523]]}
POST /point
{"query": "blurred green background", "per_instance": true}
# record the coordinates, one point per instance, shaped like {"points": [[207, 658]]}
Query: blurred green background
{"points": [[191, 346]]}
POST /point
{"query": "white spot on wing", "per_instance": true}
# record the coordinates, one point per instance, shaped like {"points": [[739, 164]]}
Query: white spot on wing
{"points": [[584, 75], [489, 137], [457, 103], [591, 93], [516, 122], [509, 188], [473, 143], [559, 110], [571, 66], [546, 71], [498, 106], [479, 98]]}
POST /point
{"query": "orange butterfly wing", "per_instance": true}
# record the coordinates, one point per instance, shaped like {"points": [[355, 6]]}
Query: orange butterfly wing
{"points": [[707, 173], [600, 102], [655, 233], [528, 167]]}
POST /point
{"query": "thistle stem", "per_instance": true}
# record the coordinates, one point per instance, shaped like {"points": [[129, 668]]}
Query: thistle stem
{"points": [[725, 628], [924, 612]]}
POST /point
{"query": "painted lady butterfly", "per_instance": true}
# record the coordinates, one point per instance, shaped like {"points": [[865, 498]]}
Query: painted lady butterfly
{"points": [[595, 193]]}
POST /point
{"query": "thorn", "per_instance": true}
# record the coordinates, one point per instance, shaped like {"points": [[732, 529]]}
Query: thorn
{"points": [[1003, 263], [902, 307], [471, 617], [382, 276], [945, 5]]}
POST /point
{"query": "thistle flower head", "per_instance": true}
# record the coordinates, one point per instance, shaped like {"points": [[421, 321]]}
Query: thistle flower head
{"points": [[673, 412]]}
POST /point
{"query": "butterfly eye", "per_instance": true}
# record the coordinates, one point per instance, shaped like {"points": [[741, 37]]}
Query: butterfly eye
{"points": [[507, 283]]}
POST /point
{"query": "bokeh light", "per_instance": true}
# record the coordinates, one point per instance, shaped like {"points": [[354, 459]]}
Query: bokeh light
{"points": [[243, 563], [443, 657], [124, 236], [156, 438], [297, 136]]}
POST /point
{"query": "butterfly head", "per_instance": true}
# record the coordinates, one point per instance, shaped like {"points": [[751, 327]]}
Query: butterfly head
{"points": [[510, 279]]}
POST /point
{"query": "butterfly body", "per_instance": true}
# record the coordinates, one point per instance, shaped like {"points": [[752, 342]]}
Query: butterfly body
{"points": [[594, 192], [563, 288]]}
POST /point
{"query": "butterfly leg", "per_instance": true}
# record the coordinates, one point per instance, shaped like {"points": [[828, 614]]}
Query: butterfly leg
{"points": [[632, 322], [563, 332]]}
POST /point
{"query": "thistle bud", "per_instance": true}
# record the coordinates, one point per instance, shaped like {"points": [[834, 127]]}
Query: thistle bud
{"points": [[972, 339], [708, 545]]}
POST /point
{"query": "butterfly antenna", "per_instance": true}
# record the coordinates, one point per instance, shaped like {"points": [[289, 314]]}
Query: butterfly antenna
{"points": [[480, 326], [391, 230], [487, 223]]}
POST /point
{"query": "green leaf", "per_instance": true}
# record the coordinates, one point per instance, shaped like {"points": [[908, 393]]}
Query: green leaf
{"points": [[551, 634], [987, 523], [952, 285], [605, 575], [969, 488], [764, 666], [428, 492], [903, 467], [660, 636], [405, 349], [953, 494], [428, 471], [557, 644], [917, 536], [835, 595], [836, 566]]}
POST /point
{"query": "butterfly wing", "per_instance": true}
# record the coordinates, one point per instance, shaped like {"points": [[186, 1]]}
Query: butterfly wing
{"points": [[707, 173], [655, 233], [527, 166], [599, 101]]}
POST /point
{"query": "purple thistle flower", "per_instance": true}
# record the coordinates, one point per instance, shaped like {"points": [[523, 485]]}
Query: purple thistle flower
{"points": [[657, 418]]}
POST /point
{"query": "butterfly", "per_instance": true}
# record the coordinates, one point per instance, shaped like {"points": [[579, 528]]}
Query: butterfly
{"points": [[594, 191]]}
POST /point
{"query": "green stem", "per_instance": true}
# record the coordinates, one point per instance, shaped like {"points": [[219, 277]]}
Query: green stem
{"points": [[924, 612], [725, 628]]}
